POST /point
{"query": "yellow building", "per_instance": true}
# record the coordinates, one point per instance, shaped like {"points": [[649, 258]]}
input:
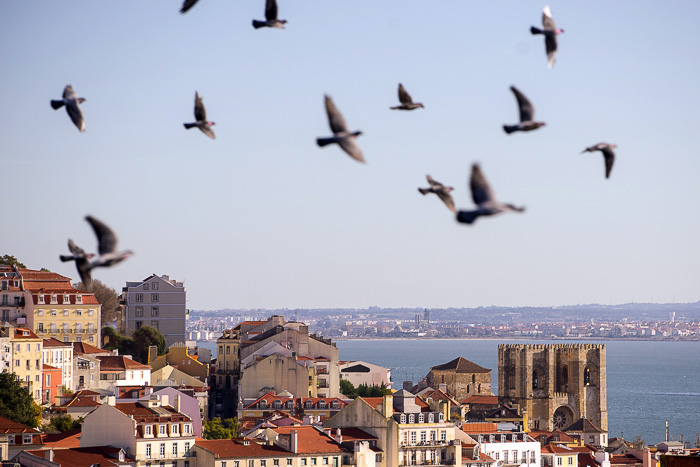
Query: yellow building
{"points": [[178, 357], [59, 311], [27, 359]]}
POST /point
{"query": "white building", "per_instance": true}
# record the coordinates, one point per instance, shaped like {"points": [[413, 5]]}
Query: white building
{"points": [[507, 448], [60, 355], [359, 372], [149, 430], [122, 371]]}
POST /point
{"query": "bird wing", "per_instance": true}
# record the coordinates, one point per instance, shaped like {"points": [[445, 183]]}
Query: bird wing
{"points": [[547, 20], [446, 198], [271, 10], [433, 183], [200, 113], [527, 111], [75, 114], [404, 96], [68, 93], [75, 249], [106, 239], [480, 188], [350, 146], [187, 4], [207, 130], [335, 118], [609, 156]]}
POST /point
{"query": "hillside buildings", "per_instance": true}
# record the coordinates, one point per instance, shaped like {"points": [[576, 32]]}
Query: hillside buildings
{"points": [[358, 373], [156, 301], [462, 378]]}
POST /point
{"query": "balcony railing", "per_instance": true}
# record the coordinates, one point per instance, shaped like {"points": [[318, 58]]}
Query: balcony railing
{"points": [[423, 444]]}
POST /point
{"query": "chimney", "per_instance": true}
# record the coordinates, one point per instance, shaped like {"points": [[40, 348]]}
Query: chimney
{"points": [[152, 353], [603, 458], [51, 455], [293, 441], [338, 437], [387, 406], [443, 387]]}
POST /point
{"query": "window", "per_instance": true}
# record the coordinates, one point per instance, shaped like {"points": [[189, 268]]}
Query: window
{"points": [[79, 299], [515, 457], [37, 378], [154, 311], [263, 463], [505, 457], [154, 297], [251, 463], [421, 418], [155, 286], [27, 439], [411, 419], [154, 324], [40, 299], [303, 461], [91, 312], [413, 437], [313, 461], [54, 312], [532, 457], [325, 461], [570, 460], [187, 429], [148, 451], [139, 297], [162, 449], [66, 312], [497, 455], [175, 449], [54, 299], [148, 430], [559, 461], [78, 312], [145, 286], [187, 446], [162, 429], [139, 311], [443, 435], [289, 461], [321, 404], [423, 437], [48, 380], [139, 324], [66, 298], [40, 327]]}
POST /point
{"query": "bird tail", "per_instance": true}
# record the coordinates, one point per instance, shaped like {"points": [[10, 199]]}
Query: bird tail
{"points": [[467, 217], [259, 24], [325, 141], [189, 125], [423, 191], [56, 104], [65, 258], [535, 30], [510, 128]]}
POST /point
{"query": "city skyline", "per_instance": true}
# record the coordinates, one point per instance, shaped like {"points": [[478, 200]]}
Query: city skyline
{"points": [[263, 218]]}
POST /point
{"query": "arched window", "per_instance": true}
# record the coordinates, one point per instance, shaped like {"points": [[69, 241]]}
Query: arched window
{"points": [[421, 418], [290, 404], [334, 404], [473, 379], [403, 418], [277, 404], [411, 419], [587, 377], [321, 404], [308, 404], [262, 404]]}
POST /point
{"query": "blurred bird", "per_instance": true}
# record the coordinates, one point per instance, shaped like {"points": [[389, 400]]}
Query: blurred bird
{"points": [[442, 191], [343, 137], [106, 247], [187, 5], [270, 16], [484, 198], [406, 101], [608, 154], [72, 103], [81, 260], [550, 31], [200, 114], [527, 114]]}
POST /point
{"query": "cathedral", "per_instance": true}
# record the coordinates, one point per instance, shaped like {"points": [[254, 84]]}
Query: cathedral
{"points": [[556, 383]]}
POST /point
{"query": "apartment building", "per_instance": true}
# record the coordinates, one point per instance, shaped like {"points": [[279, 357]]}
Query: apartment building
{"points": [[27, 360], [156, 301], [59, 355], [13, 297], [509, 448]]}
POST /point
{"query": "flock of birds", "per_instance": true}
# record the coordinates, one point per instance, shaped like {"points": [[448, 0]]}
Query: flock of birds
{"points": [[482, 194]]}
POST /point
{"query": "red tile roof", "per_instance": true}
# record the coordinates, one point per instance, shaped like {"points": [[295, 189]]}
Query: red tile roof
{"points": [[311, 441], [477, 428], [80, 348], [81, 457], [8, 426], [462, 365], [120, 363], [53, 342], [34, 275], [235, 448], [67, 439], [352, 434], [480, 399], [556, 449], [46, 367], [24, 333]]}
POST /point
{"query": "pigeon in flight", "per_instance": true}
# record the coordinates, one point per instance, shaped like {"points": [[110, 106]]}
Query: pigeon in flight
{"points": [[343, 137], [106, 247], [72, 103], [608, 154], [442, 191], [187, 5], [81, 261], [200, 114], [527, 114], [484, 198], [550, 31], [270, 16], [406, 101]]}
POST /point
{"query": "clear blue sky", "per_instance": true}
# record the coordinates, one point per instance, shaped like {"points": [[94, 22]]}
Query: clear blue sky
{"points": [[263, 218]]}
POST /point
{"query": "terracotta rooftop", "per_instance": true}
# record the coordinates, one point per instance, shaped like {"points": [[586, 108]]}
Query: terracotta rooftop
{"points": [[557, 449], [10, 426], [46, 367], [235, 448], [53, 342], [352, 434], [481, 399], [462, 365], [120, 363], [477, 428], [552, 436], [311, 441], [80, 348], [24, 333], [82, 457], [34, 275], [67, 439], [584, 425]]}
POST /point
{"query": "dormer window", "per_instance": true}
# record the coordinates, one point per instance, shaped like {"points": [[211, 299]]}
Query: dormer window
{"points": [[503, 438], [403, 418], [66, 298], [421, 418], [27, 439], [321, 404], [411, 419], [54, 299], [290, 404], [174, 428], [334, 404], [277, 404], [148, 430], [162, 429], [16, 283], [79, 299], [441, 417], [514, 437], [308, 404], [187, 429], [262, 404], [431, 418], [40, 299]]}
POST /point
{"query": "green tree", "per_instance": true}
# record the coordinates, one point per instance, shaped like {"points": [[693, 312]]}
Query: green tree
{"points": [[638, 442], [144, 337], [364, 390], [348, 389], [16, 402], [216, 428], [11, 261], [63, 423], [107, 297]]}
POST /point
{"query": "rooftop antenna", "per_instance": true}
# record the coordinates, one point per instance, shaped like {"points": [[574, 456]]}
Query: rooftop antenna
{"points": [[668, 432]]}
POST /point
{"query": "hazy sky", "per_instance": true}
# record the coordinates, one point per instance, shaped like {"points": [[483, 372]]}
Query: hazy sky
{"points": [[263, 218]]}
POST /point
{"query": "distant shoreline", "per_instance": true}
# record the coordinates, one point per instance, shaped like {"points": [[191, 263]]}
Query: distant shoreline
{"points": [[664, 339]]}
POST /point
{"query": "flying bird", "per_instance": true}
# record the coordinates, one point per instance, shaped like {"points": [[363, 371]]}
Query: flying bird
{"points": [[270, 16], [608, 155], [81, 259], [442, 191], [406, 101], [550, 31], [200, 114], [484, 198], [527, 115], [342, 136], [187, 5], [72, 103]]}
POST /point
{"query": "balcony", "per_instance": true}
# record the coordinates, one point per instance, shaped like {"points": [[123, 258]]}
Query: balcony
{"points": [[424, 444]]}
